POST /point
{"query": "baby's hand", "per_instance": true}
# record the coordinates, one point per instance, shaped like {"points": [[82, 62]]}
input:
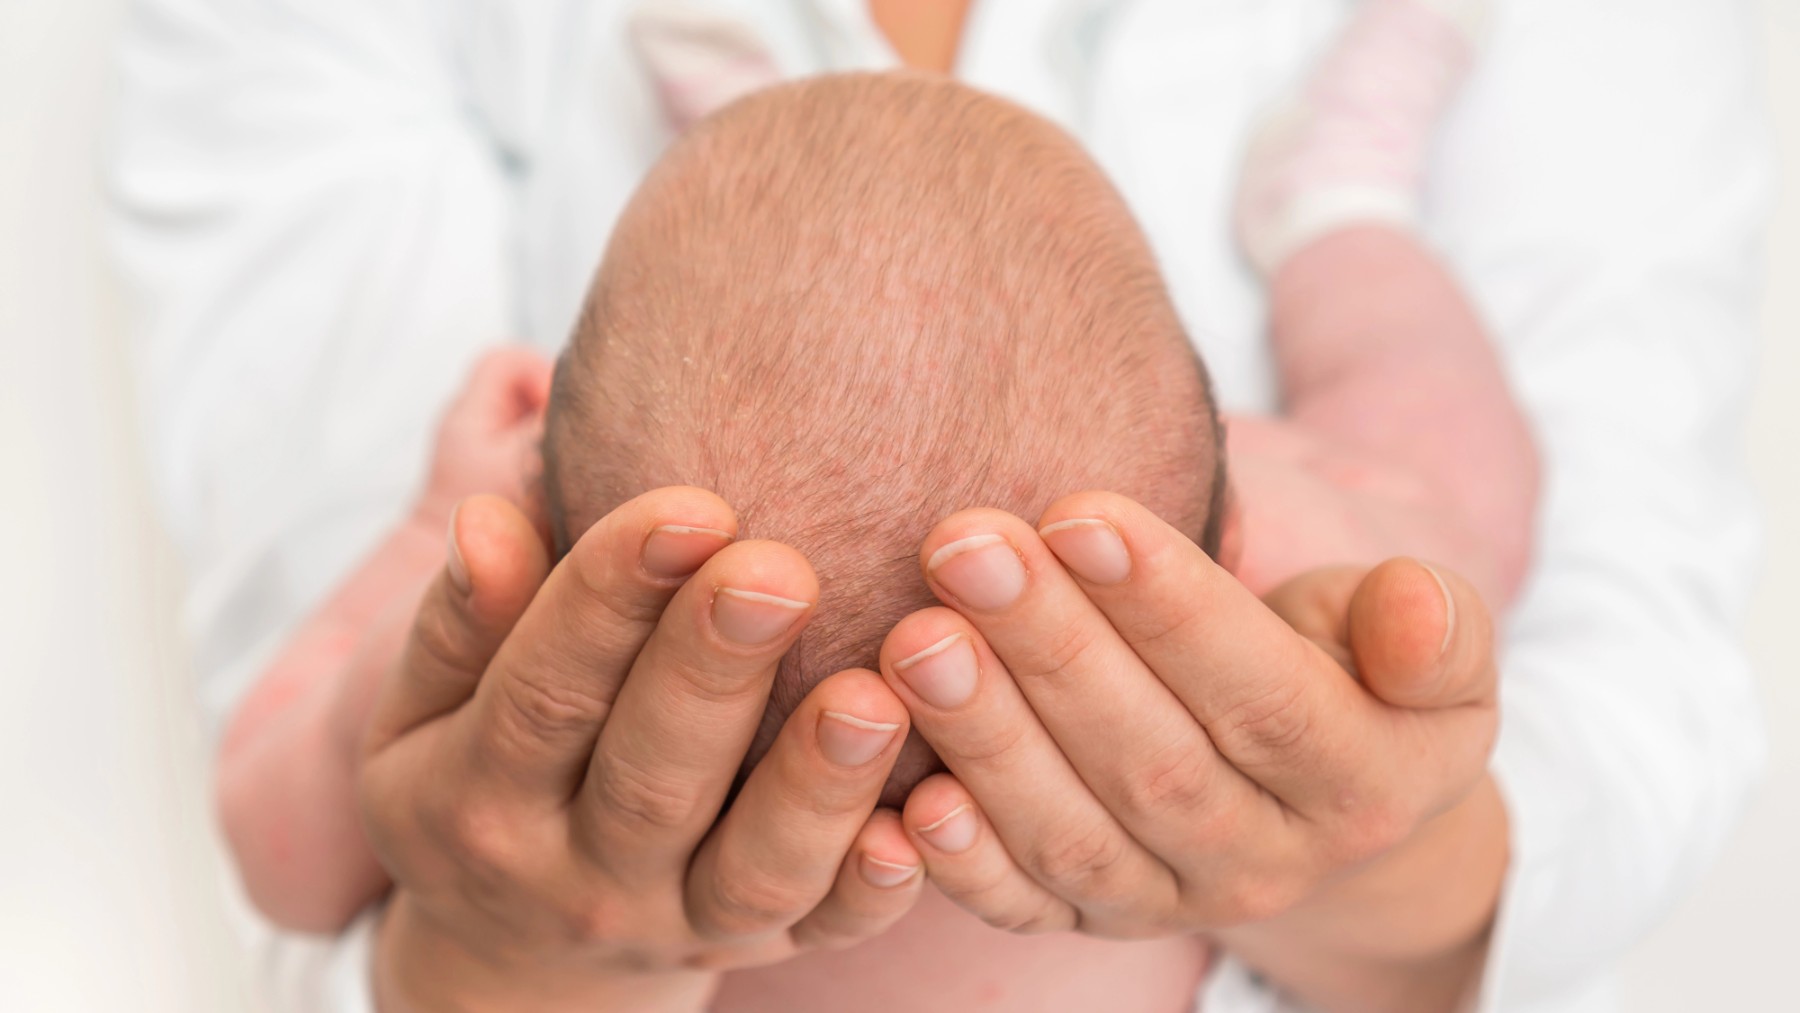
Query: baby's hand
{"points": [[488, 439]]}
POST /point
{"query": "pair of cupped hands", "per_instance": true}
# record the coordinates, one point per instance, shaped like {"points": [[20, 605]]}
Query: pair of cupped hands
{"points": [[1137, 745]]}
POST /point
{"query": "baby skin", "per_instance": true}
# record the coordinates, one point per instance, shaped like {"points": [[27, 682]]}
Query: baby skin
{"points": [[1397, 438]]}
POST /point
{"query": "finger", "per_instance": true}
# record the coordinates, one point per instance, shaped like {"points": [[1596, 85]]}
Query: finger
{"points": [[1273, 703], [535, 717], [1420, 640], [969, 864], [775, 855], [686, 715], [966, 703], [879, 882], [1421, 637], [1129, 738], [495, 564], [1423, 642]]}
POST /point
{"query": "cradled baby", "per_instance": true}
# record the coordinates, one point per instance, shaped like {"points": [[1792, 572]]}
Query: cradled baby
{"points": [[853, 305]]}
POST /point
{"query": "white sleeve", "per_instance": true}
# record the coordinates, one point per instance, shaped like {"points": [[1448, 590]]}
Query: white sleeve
{"points": [[313, 232], [313, 229], [1604, 191]]}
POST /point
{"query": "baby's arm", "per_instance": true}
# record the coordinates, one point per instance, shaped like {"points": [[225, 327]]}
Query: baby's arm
{"points": [[1399, 434], [286, 770]]}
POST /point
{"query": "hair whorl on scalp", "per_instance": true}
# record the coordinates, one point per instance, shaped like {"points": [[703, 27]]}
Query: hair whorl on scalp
{"points": [[855, 304]]}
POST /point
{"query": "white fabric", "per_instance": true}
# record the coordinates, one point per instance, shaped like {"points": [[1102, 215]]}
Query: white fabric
{"points": [[327, 207]]}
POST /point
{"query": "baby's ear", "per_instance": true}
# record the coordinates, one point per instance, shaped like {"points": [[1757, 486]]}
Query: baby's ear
{"points": [[532, 377]]}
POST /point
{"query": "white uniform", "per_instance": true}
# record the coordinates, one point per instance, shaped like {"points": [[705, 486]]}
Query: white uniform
{"points": [[328, 207]]}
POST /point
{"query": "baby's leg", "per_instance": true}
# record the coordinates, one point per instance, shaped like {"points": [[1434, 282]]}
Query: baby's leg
{"points": [[1399, 401]]}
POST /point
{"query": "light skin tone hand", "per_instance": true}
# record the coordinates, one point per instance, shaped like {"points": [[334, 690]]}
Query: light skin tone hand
{"points": [[1139, 747], [545, 772], [286, 768]]}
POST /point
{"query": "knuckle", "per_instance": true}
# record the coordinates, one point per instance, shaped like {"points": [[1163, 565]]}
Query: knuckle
{"points": [[747, 903], [826, 800], [1248, 899], [605, 586], [441, 638], [995, 900], [991, 744], [1025, 921], [1370, 831], [1174, 781], [1064, 652], [602, 922], [1157, 622], [1082, 863], [477, 837], [1264, 729], [710, 680], [833, 942], [642, 800], [1216, 827], [550, 710]]}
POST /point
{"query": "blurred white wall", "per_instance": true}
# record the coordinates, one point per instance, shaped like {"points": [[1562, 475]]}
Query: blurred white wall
{"points": [[109, 877]]}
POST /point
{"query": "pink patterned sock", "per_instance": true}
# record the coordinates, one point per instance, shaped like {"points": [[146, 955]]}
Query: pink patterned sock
{"points": [[699, 58], [1350, 147]]}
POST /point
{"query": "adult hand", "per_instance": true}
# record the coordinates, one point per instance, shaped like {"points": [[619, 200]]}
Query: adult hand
{"points": [[1138, 746], [544, 774]]}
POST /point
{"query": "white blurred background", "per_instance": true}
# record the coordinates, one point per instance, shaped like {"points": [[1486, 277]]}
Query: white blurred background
{"points": [[110, 880]]}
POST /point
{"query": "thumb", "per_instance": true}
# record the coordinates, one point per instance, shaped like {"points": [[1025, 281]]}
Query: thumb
{"points": [[494, 565], [1422, 637]]}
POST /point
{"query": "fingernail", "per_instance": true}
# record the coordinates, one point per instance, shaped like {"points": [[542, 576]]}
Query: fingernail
{"points": [[752, 617], [983, 572], [886, 874], [453, 564], [1091, 548], [1449, 608], [676, 550], [954, 832], [943, 674], [850, 741]]}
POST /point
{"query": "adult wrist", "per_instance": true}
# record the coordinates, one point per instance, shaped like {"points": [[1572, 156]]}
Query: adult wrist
{"points": [[1410, 931], [420, 968]]}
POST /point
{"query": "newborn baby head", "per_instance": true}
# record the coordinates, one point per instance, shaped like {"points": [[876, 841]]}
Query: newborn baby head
{"points": [[854, 305]]}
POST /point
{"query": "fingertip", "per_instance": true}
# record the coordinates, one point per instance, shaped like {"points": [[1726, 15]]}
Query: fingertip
{"points": [[675, 551], [1095, 504], [918, 633], [1403, 607], [855, 721], [1075, 525], [691, 505], [934, 805], [764, 567], [886, 858], [680, 507], [960, 527], [861, 694], [495, 558], [1409, 622]]}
